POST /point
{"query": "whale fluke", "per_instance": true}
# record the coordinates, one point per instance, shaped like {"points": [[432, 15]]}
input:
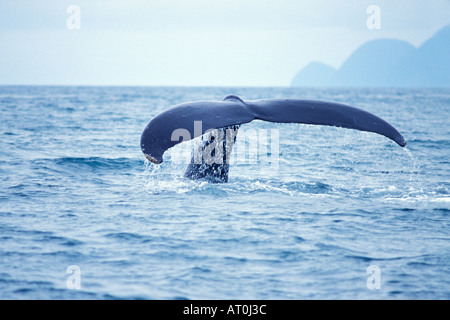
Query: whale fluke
{"points": [[180, 123]]}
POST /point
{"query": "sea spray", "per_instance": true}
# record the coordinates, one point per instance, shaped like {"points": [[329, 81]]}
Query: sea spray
{"points": [[415, 171]]}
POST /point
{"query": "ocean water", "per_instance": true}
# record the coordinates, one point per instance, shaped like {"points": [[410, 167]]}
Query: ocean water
{"points": [[331, 214]]}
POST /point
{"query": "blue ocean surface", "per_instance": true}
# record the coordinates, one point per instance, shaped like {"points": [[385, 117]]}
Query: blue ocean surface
{"points": [[330, 213]]}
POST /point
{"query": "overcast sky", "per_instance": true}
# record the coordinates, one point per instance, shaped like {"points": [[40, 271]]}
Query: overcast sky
{"points": [[195, 42]]}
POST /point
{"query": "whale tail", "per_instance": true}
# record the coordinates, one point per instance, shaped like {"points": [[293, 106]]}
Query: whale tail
{"points": [[210, 157], [221, 119]]}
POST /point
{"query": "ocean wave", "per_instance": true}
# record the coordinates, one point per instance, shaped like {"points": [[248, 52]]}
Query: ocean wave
{"points": [[87, 163]]}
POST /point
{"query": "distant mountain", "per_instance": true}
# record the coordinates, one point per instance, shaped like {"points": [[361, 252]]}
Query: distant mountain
{"points": [[372, 63], [386, 62], [314, 74], [429, 65]]}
